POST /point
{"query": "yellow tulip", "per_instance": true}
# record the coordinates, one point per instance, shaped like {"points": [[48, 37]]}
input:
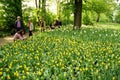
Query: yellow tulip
{"points": [[1, 69], [113, 78], [65, 74], [99, 77], [8, 77], [7, 70], [0, 73], [39, 73], [23, 77], [16, 74]]}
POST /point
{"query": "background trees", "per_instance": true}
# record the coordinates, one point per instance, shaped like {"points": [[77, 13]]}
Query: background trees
{"points": [[74, 12], [11, 9], [98, 10]]}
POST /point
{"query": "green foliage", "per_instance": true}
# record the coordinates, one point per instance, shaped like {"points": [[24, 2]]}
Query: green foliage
{"points": [[88, 54], [12, 8], [99, 6], [105, 7], [87, 20], [3, 33], [67, 11], [1, 16], [117, 14], [117, 17], [28, 13], [50, 17]]}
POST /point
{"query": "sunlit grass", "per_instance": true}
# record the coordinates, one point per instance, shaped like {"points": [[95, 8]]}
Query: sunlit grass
{"points": [[108, 25]]}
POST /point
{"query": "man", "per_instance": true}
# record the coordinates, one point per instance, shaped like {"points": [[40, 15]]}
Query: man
{"points": [[18, 24]]}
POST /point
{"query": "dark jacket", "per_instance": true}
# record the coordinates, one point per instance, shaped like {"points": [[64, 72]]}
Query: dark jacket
{"points": [[21, 23]]}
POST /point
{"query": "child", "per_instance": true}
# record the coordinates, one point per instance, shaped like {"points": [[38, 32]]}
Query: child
{"points": [[30, 27]]}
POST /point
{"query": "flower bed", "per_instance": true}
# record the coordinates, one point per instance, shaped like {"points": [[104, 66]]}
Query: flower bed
{"points": [[88, 54]]}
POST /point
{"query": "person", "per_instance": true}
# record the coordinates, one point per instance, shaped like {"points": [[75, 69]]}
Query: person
{"points": [[18, 24], [57, 23], [42, 26], [52, 26], [39, 23], [19, 35], [30, 27]]}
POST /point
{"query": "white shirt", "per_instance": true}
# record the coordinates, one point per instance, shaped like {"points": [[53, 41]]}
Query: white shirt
{"points": [[31, 26]]}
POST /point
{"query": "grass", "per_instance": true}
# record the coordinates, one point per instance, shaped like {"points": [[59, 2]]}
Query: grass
{"points": [[91, 53]]}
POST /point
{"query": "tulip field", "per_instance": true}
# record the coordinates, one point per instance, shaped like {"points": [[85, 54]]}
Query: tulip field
{"points": [[91, 53]]}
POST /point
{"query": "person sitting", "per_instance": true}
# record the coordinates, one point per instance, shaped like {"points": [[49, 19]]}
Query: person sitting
{"points": [[19, 35], [52, 26]]}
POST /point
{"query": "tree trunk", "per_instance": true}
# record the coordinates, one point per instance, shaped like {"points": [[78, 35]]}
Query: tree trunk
{"points": [[98, 17], [36, 3], [39, 8], [78, 14], [43, 10], [39, 4], [58, 9]]}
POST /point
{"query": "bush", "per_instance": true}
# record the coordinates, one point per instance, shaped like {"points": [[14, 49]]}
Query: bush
{"points": [[117, 18], [87, 20]]}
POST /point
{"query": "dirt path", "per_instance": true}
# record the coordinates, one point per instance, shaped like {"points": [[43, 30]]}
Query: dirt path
{"points": [[8, 39]]}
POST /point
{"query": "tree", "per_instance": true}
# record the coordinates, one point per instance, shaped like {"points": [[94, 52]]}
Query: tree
{"points": [[78, 14], [100, 6], [44, 10], [67, 9], [1, 16], [12, 9], [41, 8], [73, 7]]}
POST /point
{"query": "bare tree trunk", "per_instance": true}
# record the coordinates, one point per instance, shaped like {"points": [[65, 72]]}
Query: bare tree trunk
{"points": [[78, 14], [98, 17], [36, 3], [39, 4], [39, 8], [58, 9], [43, 15], [43, 9]]}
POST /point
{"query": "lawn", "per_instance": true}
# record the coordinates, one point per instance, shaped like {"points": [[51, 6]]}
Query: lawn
{"points": [[92, 53]]}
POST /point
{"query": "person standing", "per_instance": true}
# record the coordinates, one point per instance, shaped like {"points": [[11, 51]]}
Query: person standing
{"points": [[18, 24], [30, 27], [42, 26]]}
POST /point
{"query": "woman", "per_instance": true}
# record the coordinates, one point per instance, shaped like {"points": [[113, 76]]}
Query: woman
{"points": [[19, 35]]}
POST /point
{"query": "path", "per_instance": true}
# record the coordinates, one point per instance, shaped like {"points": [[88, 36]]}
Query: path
{"points": [[8, 39]]}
